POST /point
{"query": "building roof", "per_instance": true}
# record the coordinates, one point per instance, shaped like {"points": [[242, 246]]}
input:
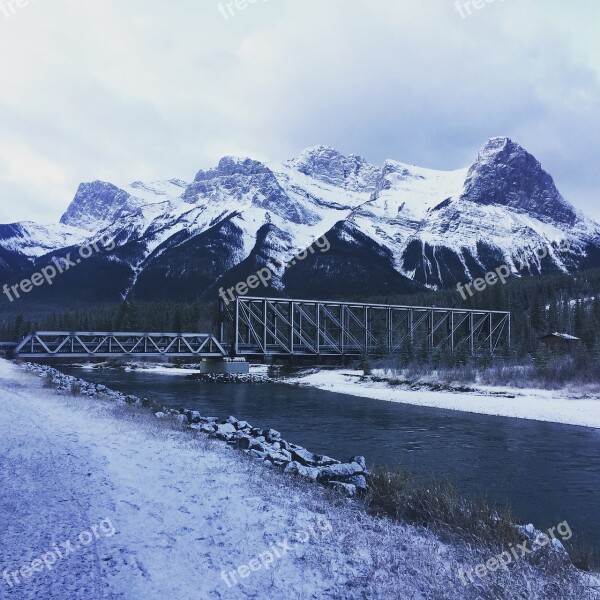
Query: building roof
{"points": [[562, 336]]}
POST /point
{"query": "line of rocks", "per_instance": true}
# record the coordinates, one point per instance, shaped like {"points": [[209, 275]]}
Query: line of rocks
{"points": [[68, 383], [265, 445], [268, 446]]}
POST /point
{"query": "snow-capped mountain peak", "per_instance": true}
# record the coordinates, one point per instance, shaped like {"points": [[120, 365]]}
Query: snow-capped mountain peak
{"points": [[326, 164], [391, 228], [505, 174]]}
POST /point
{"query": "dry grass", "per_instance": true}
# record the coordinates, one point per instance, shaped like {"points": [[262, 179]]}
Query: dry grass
{"points": [[555, 372], [439, 507]]}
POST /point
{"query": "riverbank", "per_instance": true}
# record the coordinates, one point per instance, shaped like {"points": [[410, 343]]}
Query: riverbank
{"points": [[183, 509], [570, 406], [567, 407]]}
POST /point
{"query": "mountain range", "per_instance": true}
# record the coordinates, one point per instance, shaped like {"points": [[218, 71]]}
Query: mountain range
{"points": [[392, 228]]}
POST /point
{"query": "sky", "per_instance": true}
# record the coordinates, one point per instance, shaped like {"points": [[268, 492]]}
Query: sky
{"points": [[127, 90]]}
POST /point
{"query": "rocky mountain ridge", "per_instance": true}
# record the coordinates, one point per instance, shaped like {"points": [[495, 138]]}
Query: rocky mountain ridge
{"points": [[393, 228]]}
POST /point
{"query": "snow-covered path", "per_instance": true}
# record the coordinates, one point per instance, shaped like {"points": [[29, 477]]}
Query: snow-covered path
{"points": [[99, 500], [48, 492], [181, 514]]}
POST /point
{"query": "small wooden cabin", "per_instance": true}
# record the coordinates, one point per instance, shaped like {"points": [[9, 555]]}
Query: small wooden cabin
{"points": [[559, 341]]}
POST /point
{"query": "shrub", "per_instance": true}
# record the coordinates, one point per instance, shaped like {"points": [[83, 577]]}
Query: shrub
{"points": [[439, 507], [583, 556], [365, 366]]}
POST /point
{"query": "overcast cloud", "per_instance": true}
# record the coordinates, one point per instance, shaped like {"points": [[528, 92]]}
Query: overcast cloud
{"points": [[125, 90]]}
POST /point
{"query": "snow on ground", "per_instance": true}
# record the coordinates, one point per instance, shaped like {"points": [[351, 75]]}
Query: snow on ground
{"points": [[183, 511], [166, 369], [161, 369], [537, 405], [100, 500]]}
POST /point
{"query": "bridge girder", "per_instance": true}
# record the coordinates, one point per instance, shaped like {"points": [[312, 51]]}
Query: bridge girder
{"points": [[77, 344], [279, 326]]}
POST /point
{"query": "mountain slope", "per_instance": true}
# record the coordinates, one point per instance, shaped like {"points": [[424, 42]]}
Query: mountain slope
{"points": [[393, 228]]}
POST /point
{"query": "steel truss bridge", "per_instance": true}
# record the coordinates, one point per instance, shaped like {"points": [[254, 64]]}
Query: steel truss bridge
{"points": [[78, 344], [275, 326]]}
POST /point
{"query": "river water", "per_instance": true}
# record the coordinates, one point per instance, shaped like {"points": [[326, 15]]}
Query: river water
{"points": [[547, 472]]}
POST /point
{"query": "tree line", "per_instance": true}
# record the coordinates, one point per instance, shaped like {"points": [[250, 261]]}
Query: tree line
{"points": [[539, 305]]}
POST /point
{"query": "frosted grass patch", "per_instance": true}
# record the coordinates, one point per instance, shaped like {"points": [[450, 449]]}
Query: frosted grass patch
{"points": [[59, 551], [501, 561], [266, 559], [59, 265]]}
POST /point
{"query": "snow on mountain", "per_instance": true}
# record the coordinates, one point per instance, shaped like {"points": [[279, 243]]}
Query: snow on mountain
{"points": [[444, 227], [330, 166], [99, 204], [157, 191], [33, 240], [504, 174], [394, 227]]}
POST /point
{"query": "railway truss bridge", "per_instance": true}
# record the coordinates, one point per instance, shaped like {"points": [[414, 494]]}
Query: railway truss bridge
{"points": [[279, 326]]}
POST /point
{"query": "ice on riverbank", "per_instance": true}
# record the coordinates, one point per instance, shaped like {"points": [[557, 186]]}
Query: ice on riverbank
{"points": [[537, 405]]}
